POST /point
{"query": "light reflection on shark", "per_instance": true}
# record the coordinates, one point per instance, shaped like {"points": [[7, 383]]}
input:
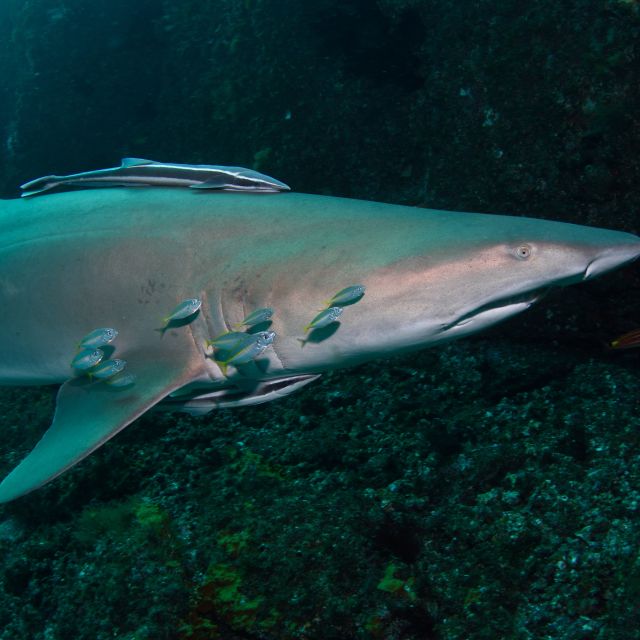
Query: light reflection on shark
{"points": [[122, 258]]}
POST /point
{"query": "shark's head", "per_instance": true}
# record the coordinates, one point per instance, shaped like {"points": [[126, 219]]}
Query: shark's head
{"points": [[499, 268], [444, 281]]}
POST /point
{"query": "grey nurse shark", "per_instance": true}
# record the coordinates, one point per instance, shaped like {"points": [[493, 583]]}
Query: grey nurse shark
{"points": [[123, 258]]}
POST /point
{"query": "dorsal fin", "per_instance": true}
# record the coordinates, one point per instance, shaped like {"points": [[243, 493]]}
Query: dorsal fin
{"points": [[135, 162]]}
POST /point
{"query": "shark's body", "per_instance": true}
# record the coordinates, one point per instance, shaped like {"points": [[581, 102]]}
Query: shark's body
{"points": [[123, 258]]}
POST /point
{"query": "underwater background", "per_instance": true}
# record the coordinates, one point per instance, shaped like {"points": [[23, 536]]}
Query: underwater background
{"points": [[486, 489]]}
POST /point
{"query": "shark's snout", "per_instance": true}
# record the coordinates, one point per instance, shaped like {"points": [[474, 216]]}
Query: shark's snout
{"points": [[612, 257]]}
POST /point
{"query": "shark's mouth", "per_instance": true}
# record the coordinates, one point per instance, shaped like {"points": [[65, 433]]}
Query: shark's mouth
{"points": [[494, 311]]}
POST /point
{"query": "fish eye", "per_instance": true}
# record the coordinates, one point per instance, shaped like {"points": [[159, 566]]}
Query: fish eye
{"points": [[523, 252]]}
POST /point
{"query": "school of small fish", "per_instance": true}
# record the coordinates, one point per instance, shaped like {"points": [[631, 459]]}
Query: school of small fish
{"points": [[334, 306], [232, 348], [90, 359]]}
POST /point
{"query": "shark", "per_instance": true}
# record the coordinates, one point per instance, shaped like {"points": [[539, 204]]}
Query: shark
{"points": [[122, 258]]}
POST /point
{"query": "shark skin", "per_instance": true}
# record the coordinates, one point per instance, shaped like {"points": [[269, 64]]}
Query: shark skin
{"points": [[123, 258]]}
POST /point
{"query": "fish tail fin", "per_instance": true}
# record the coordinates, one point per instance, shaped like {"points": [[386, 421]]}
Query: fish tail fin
{"points": [[165, 322], [626, 340], [39, 185], [224, 366]]}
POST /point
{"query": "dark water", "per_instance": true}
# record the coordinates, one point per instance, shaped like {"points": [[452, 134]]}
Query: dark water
{"points": [[487, 489]]}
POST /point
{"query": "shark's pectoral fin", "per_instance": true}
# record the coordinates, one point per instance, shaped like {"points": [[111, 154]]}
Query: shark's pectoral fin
{"points": [[87, 415]]}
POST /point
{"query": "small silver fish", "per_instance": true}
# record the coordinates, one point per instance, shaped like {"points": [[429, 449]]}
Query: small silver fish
{"points": [[348, 295], [98, 338], [87, 358], [255, 317], [121, 380], [234, 341], [107, 369], [248, 350], [324, 318], [227, 340], [136, 172], [185, 309], [265, 337]]}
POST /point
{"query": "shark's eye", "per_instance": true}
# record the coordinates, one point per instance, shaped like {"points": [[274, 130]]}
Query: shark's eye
{"points": [[523, 251]]}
